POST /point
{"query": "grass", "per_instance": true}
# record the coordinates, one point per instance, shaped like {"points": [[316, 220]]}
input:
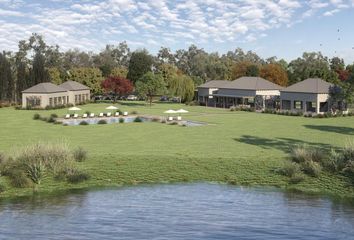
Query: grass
{"points": [[237, 147]]}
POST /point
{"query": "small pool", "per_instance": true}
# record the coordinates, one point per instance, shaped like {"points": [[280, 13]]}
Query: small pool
{"points": [[128, 119]]}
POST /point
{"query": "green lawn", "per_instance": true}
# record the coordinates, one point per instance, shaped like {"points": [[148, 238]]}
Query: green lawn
{"points": [[238, 147]]}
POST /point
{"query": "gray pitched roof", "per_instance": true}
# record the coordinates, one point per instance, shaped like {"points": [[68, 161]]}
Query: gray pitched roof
{"points": [[73, 86], [252, 83], [310, 85], [45, 87], [214, 84]]}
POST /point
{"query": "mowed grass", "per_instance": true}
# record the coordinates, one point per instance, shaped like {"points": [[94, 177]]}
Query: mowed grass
{"points": [[235, 147]]}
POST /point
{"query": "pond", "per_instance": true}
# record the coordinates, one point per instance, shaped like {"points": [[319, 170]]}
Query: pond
{"points": [[178, 211]]}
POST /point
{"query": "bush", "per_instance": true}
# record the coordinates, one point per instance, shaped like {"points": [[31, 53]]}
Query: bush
{"points": [[333, 162], [289, 169], [121, 120], [18, 178], [83, 123], [138, 119], [297, 178], [300, 154], [155, 119], [36, 116], [173, 123], [134, 112], [311, 168], [80, 154], [53, 115], [102, 121], [232, 108], [51, 120], [2, 188], [76, 176]]}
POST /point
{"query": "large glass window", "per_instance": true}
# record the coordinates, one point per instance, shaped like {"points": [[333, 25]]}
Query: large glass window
{"points": [[298, 105], [33, 101], [51, 102]]}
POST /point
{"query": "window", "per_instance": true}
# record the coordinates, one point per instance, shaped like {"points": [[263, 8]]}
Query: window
{"points": [[51, 102], [33, 101], [298, 105], [286, 104], [55, 101]]}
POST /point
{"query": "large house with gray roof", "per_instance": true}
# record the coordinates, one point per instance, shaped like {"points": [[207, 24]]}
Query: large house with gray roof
{"points": [[48, 94], [310, 95], [247, 91]]}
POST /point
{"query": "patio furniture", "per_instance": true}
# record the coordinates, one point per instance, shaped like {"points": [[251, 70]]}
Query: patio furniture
{"points": [[170, 118], [116, 114], [179, 118], [125, 114], [67, 116], [85, 115], [101, 115], [92, 115], [109, 114], [76, 115]]}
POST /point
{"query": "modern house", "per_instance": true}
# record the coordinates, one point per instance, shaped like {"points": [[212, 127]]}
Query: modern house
{"points": [[310, 95], [78, 92], [206, 91], [246, 91], [48, 94]]}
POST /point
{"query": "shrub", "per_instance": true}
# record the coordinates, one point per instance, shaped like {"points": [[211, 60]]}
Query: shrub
{"points": [[18, 178], [2, 188], [83, 123], [76, 176], [289, 169], [80, 154], [173, 123], [88, 113], [232, 108], [163, 121], [102, 121], [300, 154], [51, 119], [134, 112], [311, 168], [121, 120], [297, 178], [35, 171], [333, 161], [36, 116], [138, 119], [155, 119], [53, 115]]}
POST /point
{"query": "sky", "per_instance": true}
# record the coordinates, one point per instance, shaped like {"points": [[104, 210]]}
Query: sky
{"points": [[282, 28]]}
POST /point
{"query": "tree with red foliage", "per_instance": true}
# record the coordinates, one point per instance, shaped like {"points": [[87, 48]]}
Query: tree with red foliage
{"points": [[117, 85]]}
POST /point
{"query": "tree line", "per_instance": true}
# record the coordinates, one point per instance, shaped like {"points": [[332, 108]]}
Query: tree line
{"points": [[171, 73]]}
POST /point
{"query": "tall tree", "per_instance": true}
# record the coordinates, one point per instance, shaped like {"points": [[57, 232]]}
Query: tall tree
{"points": [[140, 63], [22, 78], [274, 73], [6, 80], [91, 77], [39, 73], [150, 85], [182, 86], [117, 85]]}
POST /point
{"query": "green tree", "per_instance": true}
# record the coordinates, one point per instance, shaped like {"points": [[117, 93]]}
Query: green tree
{"points": [[150, 85], [22, 78], [6, 79], [39, 73], [91, 77], [182, 86], [252, 71], [54, 75], [140, 63], [119, 72]]}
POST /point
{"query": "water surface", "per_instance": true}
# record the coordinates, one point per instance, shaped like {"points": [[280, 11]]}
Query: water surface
{"points": [[178, 211]]}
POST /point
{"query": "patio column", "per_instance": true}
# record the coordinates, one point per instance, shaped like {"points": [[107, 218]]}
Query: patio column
{"points": [[317, 106], [304, 106], [264, 105]]}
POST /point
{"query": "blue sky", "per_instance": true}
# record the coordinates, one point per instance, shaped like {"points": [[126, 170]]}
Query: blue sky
{"points": [[282, 28]]}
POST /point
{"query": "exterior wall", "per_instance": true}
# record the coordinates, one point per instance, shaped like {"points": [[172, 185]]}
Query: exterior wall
{"points": [[236, 92], [268, 92], [45, 98], [80, 96], [304, 98]]}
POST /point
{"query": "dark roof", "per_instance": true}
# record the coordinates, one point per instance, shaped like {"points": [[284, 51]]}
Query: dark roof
{"points": [[73, 86], [310, 85], [45, 87], [214, 84], [252, 83]]}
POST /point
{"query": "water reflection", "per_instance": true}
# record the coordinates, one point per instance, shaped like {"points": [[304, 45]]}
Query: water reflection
{"points": [[179, 211]]}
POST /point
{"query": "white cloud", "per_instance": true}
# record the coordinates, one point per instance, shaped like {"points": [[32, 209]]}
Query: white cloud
{"points": [[91, 24]]}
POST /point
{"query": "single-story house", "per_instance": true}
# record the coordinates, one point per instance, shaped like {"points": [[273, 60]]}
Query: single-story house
{"points": [[48, 94], [78, 92], [206, 91], [250, 91], [310, 95]]}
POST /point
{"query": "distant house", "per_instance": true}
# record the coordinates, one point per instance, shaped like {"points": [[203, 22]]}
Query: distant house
{"points": [[310, 95], [78, 92], [49, 94], [250, 91]]}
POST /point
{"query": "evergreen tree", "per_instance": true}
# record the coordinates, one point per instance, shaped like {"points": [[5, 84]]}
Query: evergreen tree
{"points": [[22, 81], [140, 63], [39, 73], [6, 80]]}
